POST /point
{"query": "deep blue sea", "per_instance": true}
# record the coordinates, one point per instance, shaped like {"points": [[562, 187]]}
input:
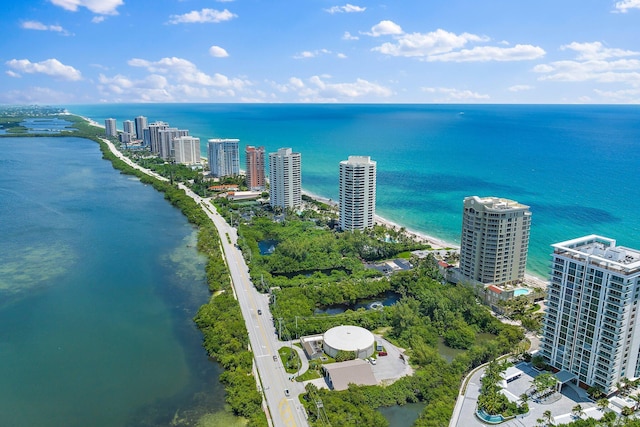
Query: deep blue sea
{"points": [[576, 166], [99, 281]]}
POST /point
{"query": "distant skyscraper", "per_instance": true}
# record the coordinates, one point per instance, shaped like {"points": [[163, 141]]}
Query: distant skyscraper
{"points": [[166, 136], [494, 241], [128, 126], [154, 136], [224, 157], [110, 127], [187, 150], [357, 193], [255, 167], [285, 179], [141, 125], [592, 327]]}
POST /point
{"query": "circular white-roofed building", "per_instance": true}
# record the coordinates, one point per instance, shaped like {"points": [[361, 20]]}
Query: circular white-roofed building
{"points": [[348, 338]]}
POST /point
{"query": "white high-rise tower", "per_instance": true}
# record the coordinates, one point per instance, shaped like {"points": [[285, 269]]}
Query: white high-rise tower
{"points": [[357, 193], [285, 179]]}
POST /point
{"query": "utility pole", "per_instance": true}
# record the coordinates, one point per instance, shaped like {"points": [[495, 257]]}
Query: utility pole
{"points": [[280, 330]]}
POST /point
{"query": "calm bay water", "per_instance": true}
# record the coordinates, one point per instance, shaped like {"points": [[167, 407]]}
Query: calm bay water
{"points": [[576, 166], [99, 282]]}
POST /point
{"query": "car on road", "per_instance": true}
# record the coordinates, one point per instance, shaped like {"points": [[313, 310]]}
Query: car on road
{"points": [[259, 311], [286, 392], [372, 360], [275, 358]]}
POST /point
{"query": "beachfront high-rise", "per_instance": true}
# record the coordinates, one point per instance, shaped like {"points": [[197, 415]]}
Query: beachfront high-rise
{"points": [[166, 136], [110, 127], [141, 125], [187, 150], [224, 158], [592, 328], [357, 193], [255, 167], [494, 241], [153, 133], [128, 126], [285, 179]]}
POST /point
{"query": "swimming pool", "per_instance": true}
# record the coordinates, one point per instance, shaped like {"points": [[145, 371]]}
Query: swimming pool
{"points": [[520, 291]]}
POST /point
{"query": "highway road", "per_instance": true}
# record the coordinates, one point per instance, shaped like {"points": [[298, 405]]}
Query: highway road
{"points": [[285, 410]]}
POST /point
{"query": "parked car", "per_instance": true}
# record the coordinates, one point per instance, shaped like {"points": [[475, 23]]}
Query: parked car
{"points": [[382, 353], [372, 360], [286, 392], [275, 358]]}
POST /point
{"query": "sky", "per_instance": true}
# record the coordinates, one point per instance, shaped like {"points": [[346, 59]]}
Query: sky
{"points": [[64, 52]]}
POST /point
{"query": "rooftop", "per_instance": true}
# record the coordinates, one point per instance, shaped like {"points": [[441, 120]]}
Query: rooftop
{"points": [[601, 251]]}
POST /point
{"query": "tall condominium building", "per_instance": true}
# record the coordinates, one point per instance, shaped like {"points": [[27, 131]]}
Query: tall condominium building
{"points": [[165, 147], [141, 125], [494, 241], [187, 150], [110, 127], [357, 193], [285, 179], [154, 136], [128, 126], [591, 327], [255, 167], [223, 157]]}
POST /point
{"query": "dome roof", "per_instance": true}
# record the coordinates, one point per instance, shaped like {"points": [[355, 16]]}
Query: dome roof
{"points": [[348, 338]]}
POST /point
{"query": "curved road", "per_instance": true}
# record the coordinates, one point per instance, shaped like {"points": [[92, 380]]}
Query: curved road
{"points": [[281, 394]]}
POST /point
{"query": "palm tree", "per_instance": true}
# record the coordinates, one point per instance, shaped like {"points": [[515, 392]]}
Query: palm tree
{"points": [[577, 411], [636, 399], [547, 416], [603, 403]]}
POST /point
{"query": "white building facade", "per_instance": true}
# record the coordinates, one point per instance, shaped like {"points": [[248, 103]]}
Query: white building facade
{"points": [[357, 193], [110, 127], [591, 327], [166, 136], [224, 157], [285, 179], [494, 241], [153, 134], [141, 124], [187, 150]]}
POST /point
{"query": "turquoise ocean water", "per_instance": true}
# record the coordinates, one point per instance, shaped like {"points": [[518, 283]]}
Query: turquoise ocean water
{"points": [[576, 166], [99, 281]]}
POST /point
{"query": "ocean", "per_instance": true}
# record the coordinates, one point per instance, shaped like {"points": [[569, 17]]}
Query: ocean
{"points": [[574, 165], [99, 282]]}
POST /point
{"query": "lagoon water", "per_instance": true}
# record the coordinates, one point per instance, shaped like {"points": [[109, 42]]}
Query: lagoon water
{"points": [[99, 281], [575, 165]]}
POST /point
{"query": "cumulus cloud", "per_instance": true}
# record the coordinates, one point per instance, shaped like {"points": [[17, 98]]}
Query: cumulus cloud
{"points": [[629, 96], [318, 89], [384, 28], [202, 16], [347, 8], [454, 95], [100, 7], [51, 67], [445, 46], [348, 36], [218, 52], [97, 19], [184, 71], [311, 54], [625, 5], [491, 53], [36, 95], [593, 62], [519, 88], [39, 26]]}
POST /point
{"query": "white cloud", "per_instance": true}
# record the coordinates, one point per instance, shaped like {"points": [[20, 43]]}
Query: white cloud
{"points": [[341, 56], [385, 28], [36, 95], [311, 54], [184, 71], [593, 62], [519, 88], [347, 36], [596, 50], [630, 96], [454, 95], [97, 19], [491, 53], [624, 5], [202, 16], [51, 67], [317, 89], [12, 74], [39, 26], [424, 45], [347, 8], [218, 52], [100, 7]]}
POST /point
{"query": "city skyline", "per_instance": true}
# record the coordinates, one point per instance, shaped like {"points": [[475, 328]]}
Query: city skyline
{"points": [[94, 51]]}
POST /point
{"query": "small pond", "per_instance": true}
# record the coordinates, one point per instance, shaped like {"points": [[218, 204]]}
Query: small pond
{"points": [[449, 353], [386, 299], [402, 416], [267, 246]]}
